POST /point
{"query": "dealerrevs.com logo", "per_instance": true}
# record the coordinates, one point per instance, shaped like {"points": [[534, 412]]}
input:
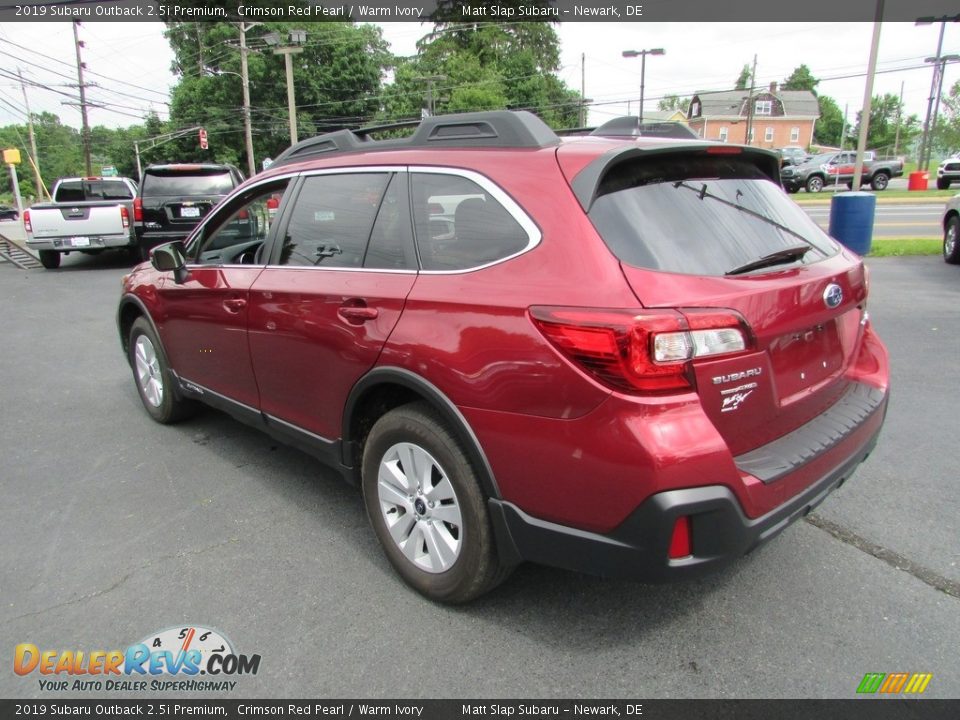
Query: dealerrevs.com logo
{"points": [[172, 659]]}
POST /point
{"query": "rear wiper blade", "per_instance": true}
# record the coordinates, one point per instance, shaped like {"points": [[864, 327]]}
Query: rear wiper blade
{"points": [[779, 257]]}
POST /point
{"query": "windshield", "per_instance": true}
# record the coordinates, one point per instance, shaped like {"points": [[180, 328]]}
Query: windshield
{"points": [[700, 215]]}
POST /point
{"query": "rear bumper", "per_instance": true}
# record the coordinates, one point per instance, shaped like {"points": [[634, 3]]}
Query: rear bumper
{"points": [[638, 548], [96, 242]]}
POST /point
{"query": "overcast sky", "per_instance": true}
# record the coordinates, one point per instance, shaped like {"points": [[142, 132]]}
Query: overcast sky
{"points": [[130, 62]]}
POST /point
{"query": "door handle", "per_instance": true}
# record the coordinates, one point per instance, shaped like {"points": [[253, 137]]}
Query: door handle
{"points": [[356, 315], [234, 305]]}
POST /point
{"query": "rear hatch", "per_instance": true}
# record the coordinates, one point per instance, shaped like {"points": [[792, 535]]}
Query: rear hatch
{"points": [[708, 230], [175, 198]]}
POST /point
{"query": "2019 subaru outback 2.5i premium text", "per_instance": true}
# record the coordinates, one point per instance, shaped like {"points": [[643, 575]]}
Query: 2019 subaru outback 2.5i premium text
{"points": [[629, 357]]}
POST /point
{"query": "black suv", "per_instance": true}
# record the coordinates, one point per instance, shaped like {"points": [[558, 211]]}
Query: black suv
{"points": [[175, 198]]}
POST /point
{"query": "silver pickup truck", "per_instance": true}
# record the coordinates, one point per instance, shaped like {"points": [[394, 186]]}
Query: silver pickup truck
{"points": [[88, 215]]}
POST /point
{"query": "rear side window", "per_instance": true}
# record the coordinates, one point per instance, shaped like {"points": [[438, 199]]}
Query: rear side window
{"points": [[332, 220], [169, 182], [460, 225], [699, 214]]}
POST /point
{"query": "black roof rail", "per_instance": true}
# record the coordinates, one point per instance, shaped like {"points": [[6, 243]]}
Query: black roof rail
{"points": [[630, 126], [494, 129]]}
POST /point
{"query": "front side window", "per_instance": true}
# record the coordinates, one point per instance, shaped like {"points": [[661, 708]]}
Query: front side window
{"points": [[238, 233], [700, 214], [460, 225], [332, 220]]}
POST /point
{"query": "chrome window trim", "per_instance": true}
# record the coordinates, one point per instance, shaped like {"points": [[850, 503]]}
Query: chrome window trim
{"points": [[534, 236]]}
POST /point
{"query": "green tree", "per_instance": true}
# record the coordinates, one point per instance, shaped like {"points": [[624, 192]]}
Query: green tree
{"points": [[947, 134], [484, 67], [743, 79], [673, 102], [830, 124], [801, 79], [886, 113], [337, 80]]}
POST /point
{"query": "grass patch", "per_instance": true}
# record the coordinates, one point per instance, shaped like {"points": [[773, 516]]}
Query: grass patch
{"points": [[896, 247]]}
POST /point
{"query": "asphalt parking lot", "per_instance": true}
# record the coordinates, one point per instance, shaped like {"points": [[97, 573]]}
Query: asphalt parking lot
{"points": [[113, 527]]}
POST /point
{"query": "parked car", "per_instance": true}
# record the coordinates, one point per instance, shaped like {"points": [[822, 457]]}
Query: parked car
{"points": [[88, 215], [9, 213], [948, 171], [792, 155], [951, 231], [629, 357], [838, 168], [174, 198]]}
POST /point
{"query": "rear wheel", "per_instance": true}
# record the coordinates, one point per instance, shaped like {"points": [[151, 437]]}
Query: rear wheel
{"points": [[951, 241], [426, 506], [880, 181], [50, 259], [151, 372], [814, 184]]}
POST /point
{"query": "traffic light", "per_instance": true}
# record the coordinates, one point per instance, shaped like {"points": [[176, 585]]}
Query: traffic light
{"points": [[203, 139]]}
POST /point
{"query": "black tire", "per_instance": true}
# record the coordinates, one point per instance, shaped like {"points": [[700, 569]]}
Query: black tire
{"points": [[136, 254], [943, 184], [850, 185], [792, 190], [50, 259], [880, 181], [475, 568], [951, 241], [814, 184], [160, 399]]}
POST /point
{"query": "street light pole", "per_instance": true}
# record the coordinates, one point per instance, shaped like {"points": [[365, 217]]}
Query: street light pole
{"points": [[643, 69], [935, 81]]}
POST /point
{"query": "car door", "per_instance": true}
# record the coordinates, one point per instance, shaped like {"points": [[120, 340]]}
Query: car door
{"points": [[204, 321], [323, 308]]}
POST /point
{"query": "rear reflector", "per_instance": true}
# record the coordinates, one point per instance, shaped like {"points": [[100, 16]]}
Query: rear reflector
{"points": [[642, 351], [680, 545]]}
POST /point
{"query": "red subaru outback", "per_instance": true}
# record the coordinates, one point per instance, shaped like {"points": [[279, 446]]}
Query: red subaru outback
{"points": [[626, 356]]}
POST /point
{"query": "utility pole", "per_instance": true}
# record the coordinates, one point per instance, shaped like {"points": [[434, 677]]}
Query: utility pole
{"points": [[430, 80], [297, 37], [245, 78], [583, 90], [868, 96], [33, 142], [925, 139], [753, 82], [896, 137], [83, 100]]}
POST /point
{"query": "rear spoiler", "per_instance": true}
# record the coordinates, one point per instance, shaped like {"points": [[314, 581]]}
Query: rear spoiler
{"points": [[587, 181]]}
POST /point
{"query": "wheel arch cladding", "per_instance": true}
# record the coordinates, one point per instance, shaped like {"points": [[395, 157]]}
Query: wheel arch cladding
{"points": [[386, 388]]}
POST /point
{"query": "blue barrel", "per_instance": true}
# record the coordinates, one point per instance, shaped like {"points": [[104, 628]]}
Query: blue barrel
{"points": [[851, 219]]}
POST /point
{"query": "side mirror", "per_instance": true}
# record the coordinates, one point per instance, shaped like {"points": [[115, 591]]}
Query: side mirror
{"points": [[169, 257]]}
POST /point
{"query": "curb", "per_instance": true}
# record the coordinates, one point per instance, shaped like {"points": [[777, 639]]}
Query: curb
{"points": [[882, 201]]}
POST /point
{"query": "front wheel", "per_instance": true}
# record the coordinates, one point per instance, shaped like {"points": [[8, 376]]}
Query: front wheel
{"points": [[943, 184], [880, 181], [151, 372], [50, 259], [424, 501], [951, 236], [815, 184]]}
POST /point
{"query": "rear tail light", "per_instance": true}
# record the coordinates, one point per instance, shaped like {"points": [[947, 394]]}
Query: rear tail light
{"points": [[125, 216], [138, 210], [243, 215], [26, 221], [680, 543], [644, 351]]}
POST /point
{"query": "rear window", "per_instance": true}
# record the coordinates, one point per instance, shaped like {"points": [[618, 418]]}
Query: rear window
{"points": [[700, 215], [195, 182], [90, 190]]}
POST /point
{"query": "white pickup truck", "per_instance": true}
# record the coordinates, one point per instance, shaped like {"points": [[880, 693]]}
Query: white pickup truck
{"points": [[88, 215]]}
